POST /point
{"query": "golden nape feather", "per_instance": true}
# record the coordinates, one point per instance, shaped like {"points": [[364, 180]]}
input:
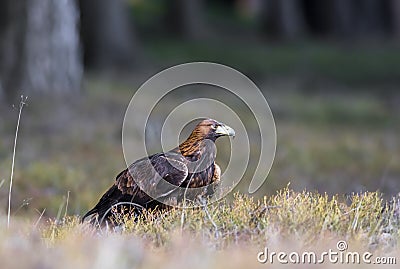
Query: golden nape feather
{"points": [[141, 183]]}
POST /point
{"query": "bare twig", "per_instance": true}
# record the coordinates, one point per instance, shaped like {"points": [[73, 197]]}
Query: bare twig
{"points": [[66, 206], [212, 221], [60, 208], [40, 217], [118, 204], [182, 219], [25, 202], [21, 105], [203, 205]]}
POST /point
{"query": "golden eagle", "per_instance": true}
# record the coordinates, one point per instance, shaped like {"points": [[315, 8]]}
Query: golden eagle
{"points": [[141, 182]]}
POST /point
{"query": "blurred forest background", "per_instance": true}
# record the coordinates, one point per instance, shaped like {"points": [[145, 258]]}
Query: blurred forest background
{"points": [[330, 70]]}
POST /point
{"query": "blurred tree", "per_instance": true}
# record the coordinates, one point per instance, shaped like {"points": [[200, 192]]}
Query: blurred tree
{"points": [[395, 15], [186, 18], [39, 48], [283, 18], [342, 21], [107, 34], [348, 18], [329, 17], [369, 17]]}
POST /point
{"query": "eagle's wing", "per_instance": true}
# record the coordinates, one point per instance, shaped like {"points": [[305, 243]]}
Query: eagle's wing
{"points": [[146, 175], [141, 182]]}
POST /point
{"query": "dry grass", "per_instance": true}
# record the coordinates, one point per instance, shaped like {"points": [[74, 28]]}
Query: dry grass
{"points": [[288, 221]]}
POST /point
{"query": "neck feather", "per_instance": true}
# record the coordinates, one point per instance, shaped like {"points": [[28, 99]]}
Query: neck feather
{"points": [[192, 146]]}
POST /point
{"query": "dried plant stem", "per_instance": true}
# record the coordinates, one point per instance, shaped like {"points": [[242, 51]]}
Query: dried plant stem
{"points": [[66, 206], [21, 105]]}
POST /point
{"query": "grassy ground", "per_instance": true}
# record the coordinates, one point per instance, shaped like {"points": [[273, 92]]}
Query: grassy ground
{"points": [[223, 234]]}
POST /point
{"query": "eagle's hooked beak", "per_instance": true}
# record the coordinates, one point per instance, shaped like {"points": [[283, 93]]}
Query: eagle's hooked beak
{"points": [[225, 130]]}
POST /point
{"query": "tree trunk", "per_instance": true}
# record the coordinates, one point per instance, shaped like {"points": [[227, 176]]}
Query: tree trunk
{"points": [[354, 18], [292, 19], [40, 48], [283, 18], [369, 19], [342, 20], [107, 34], [186, 18], [395, 14]]}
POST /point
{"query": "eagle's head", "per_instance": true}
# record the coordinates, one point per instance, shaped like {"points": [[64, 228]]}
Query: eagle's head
{"points": [[205, 130], [212, 129]]}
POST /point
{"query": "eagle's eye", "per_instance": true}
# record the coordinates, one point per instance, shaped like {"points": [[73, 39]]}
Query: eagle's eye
{"points": [[214, 126]]}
